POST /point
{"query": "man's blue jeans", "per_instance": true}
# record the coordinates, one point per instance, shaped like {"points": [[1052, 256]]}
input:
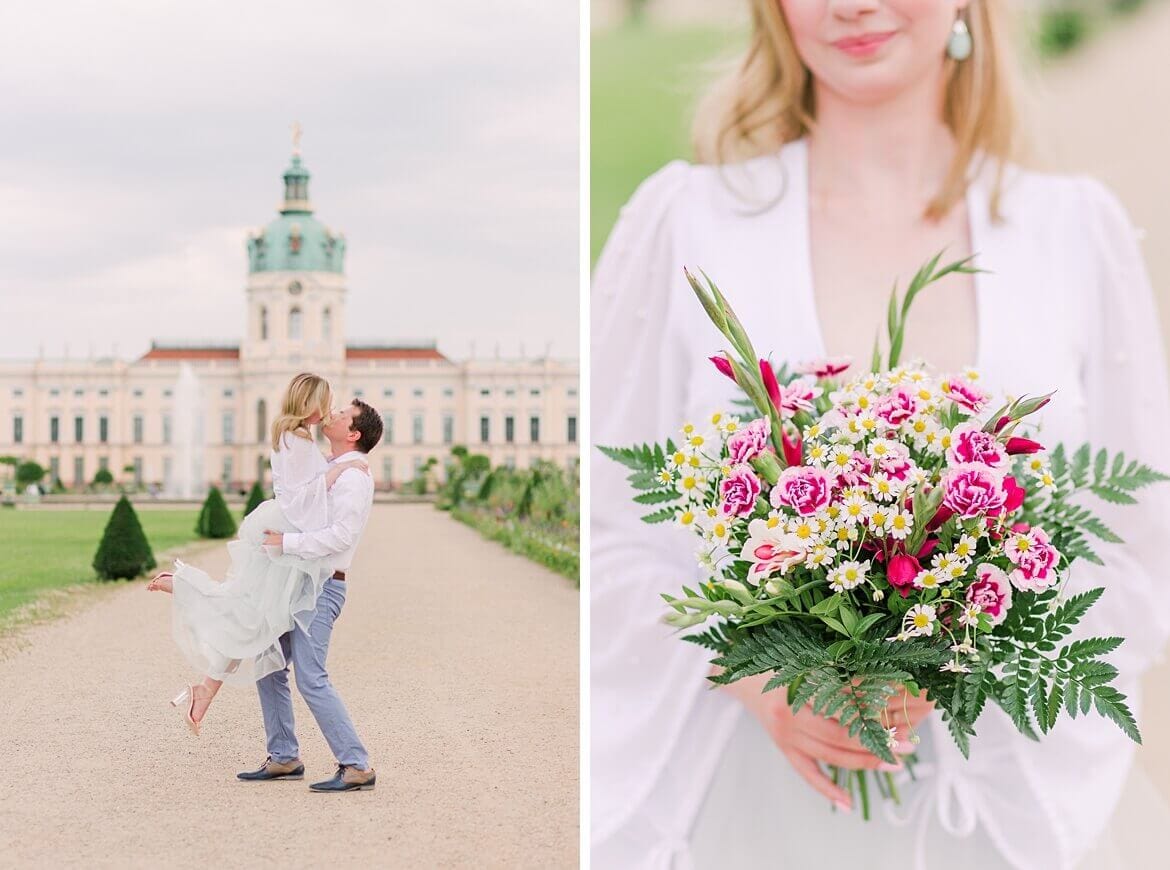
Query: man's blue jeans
{"points": [[307, 654]]}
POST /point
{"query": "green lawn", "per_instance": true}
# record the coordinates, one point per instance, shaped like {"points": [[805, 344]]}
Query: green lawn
{"points": [[42, 550], [644, 84]]}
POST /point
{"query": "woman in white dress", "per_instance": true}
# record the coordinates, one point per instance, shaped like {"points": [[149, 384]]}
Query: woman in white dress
{"points": [[856, 139], [230, 630]]}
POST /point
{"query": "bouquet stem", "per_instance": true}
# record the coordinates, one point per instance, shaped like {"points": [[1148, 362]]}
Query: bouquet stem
{"points": [[858, 780]]}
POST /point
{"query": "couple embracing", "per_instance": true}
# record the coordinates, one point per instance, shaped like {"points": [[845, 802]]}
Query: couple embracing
{"points": [[286, 586]]}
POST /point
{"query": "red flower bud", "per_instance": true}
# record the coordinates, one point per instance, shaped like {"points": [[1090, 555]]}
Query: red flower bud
{"points": [[793, 448], [724, 366], [902, 571], [770, 383], [1016, 446]]}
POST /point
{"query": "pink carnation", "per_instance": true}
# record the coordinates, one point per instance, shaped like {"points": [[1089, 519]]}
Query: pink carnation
{"points": [[896, 463], [965, 395], [971, 490], [991, 592], [969, 443], [826, 368], [750, 441], [1035, 559], [896, 407], [739, 490], [798, 396], [806, 490], [856, 473]]}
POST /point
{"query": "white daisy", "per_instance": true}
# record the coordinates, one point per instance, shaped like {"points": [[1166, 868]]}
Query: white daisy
{"points": [[854, 509], [920, 619], [901, 524], [847, 575], [969, 615], [928, 578], [965, 548]]}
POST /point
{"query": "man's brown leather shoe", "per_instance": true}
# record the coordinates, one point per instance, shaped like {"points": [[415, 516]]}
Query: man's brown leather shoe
{"points": [[274, 770], [347, 779]]}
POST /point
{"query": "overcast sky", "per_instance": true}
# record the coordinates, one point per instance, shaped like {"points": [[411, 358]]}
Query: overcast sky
{"points": [[140, 141]]}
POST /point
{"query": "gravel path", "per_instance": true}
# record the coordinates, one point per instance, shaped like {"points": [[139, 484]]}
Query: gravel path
{"points": [[462, 684]]}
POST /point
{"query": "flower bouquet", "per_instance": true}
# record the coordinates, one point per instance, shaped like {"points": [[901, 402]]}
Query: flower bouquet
{"points": [[885, 533]]}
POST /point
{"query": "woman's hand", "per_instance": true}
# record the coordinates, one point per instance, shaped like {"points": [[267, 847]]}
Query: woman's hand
{"points": [[337, 470], [806, 738]]}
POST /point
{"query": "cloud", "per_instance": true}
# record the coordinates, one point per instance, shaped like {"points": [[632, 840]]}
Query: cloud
{"points": [[143, 139]]}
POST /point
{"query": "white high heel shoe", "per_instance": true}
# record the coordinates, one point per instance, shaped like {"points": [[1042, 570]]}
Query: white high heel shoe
{"points": [[187, 698]]}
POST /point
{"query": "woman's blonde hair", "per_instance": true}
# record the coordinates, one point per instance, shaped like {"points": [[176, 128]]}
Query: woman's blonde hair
{"points": [[305, 394], [768, 100]]}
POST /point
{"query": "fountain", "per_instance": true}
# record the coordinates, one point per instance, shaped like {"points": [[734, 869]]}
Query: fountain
{"points": [[186, 479]]}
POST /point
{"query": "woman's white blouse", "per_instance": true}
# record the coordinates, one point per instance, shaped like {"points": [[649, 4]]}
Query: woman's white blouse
{"points": [[1066, 305], [298, 482]]}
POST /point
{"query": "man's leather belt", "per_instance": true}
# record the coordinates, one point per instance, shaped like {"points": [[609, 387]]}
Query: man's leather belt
{"points": [[338, 575]]}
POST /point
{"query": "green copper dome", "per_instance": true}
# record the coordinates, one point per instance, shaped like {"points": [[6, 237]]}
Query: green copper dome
{"points": [[296, 241]]}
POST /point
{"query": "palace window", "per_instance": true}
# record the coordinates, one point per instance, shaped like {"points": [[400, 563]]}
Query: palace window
{"points": [[229, 427], [261, 421], [166, 423], [138, 425], [416, 429], [54, 429], [263, 323], [18, 429], [78, 429], [294, 324], [509, 429], [387, 428], [79, 471], [448, 429], [572, 430], [534, 429], [103, 429], [485, 429], [327, 325]]}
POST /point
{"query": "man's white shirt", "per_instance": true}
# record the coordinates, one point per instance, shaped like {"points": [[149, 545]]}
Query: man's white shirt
{"points": [[350, 501]]}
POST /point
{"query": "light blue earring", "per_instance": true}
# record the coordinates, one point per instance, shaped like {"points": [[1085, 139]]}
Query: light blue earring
{"points": [[959, 43]]}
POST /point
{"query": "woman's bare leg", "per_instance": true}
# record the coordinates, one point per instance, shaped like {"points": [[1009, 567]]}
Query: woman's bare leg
{"points": [[161, 583], [204, 694]]}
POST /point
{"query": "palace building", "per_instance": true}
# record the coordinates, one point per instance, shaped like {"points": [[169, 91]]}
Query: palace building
{"points": [[189, 414]]}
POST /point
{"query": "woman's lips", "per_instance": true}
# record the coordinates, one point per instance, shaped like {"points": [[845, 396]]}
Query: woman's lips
{"points": [[864, 45]]}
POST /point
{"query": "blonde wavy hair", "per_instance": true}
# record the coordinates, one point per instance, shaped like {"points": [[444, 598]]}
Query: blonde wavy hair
{"points": [[767, 100], [306, 393]]}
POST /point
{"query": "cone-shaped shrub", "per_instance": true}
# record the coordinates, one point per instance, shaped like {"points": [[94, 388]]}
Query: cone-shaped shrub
{"points": [[255, 497], [124, 551], [215, 520]]}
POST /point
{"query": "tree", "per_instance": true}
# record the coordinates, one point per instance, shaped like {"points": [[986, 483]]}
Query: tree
{"points": [[124, 551], [255, 498], [103, 477], [29, 473], [215, 520]]}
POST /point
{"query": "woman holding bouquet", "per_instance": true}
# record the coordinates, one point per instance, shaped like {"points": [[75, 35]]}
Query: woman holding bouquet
{"points": [[854, 140]]}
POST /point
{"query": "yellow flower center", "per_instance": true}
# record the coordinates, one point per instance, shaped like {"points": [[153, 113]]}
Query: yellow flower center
{"points": [[921, 620], [773, 522]]}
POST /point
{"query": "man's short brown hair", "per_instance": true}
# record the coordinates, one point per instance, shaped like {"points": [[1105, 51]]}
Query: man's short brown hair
{"points": [[368, 422]]}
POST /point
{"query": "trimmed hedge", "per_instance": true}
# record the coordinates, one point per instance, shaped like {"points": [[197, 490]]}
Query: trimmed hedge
{"points": [[215, 520], [255, 498], [124, 552]]}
